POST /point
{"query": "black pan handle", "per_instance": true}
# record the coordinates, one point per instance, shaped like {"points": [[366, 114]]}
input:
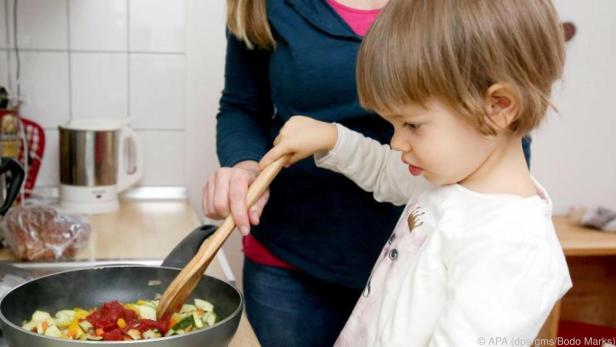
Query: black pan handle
{"points": [[18, 174], [188, 247]]}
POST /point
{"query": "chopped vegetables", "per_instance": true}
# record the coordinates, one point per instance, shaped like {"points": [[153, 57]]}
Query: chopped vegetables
{"points": [[116, 322]]}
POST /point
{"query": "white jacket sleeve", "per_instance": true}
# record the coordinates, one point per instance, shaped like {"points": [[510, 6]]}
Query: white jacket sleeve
{"points": [[500, 293], [372, 166]]}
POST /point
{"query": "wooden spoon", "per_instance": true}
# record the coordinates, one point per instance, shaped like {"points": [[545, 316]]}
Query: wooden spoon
{"points": [[185, 282]]}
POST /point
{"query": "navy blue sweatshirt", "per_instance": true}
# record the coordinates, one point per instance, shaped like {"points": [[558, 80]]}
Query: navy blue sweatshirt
{"points": [[317, 220]]}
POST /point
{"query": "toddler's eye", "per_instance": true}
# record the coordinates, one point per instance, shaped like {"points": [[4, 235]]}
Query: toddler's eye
{"points": [[412, 126]]}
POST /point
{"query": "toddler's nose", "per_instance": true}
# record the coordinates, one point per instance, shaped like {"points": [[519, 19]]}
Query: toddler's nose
{"points": [[399, 144]]}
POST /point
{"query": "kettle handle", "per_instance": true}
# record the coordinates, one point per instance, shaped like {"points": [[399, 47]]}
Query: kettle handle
{"points": [[126, 178], [17, 178]]}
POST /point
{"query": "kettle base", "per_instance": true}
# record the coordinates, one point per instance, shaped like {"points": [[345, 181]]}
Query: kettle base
{"points": [[88, 200]]}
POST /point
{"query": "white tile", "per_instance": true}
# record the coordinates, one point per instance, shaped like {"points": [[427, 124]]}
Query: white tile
{"points": [[44, 87], [99, 85], [4, 25], [4, 68], [157, 25], [98, 25], [49, 172], [157, 91], [42, 24], [164, 156]]}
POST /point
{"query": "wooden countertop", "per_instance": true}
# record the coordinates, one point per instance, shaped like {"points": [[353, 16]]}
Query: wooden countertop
{"points": [[580, 241], [138, 230], [146, 229]]}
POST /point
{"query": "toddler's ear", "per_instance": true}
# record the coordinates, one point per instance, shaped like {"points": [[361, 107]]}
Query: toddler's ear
{"points": [[502, 105]]}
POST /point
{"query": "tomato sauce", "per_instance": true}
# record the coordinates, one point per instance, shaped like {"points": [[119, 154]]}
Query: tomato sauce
{"points": [[106, 318]]}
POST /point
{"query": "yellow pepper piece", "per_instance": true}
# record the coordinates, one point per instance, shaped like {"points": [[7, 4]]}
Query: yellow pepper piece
{"points": [[132, 307], [81, 314], [121, 323], [176, 317], [74, 331]]}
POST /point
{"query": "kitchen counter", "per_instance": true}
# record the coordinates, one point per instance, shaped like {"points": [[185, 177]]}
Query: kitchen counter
{"points": [[579, 241], [138, 230], [143, 231]]}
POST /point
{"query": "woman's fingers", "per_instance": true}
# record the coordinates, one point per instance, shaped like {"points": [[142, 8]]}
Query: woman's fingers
{"points": [[221, 192], [257, 209], [240, 180], [225, 193], [208, 198]]}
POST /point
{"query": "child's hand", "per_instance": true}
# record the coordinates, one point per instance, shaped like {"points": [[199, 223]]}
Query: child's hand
{"points": [[302, 137]]}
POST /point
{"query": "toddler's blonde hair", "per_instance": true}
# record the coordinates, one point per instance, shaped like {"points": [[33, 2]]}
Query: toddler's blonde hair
{"points": [[455, 50]]}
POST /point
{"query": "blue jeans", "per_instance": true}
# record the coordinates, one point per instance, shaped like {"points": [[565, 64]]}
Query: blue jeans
{"points": [[289, 308]]}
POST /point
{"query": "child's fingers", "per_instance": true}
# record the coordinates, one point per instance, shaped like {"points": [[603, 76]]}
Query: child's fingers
{"points": [[273, 154], [294, 159], [266, 160]]}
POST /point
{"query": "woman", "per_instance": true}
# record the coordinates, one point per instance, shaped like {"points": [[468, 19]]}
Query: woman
{"points": [[315, 234]]}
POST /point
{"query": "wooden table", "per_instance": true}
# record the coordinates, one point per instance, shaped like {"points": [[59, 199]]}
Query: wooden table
{"points": [[578, 241], [146, 229], [591, 256]]}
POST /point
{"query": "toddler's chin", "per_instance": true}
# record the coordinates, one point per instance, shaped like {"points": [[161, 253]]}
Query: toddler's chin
{"points": [[438, 180]]}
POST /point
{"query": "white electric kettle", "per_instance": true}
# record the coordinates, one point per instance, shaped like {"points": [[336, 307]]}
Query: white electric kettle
{"points": [[98, 160]]}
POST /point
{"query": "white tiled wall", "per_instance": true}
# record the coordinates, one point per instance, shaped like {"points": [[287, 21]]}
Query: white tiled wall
{"points": [[162, 94], [102, 59], [164, 150], [4, 66], [99, 84], [156, 26], [40, 24], [44, 86], [3, 27], [98, 25]]}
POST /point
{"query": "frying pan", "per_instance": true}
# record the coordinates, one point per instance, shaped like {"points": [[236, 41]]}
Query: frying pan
{"points": [[91, 287]]}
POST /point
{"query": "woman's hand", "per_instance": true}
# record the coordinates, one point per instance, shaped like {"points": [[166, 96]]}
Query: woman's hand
{"points": [[301, 137], [225, 192]]}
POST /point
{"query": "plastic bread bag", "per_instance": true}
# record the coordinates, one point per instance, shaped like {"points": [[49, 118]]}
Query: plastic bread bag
{"points": [[39, 232]]}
